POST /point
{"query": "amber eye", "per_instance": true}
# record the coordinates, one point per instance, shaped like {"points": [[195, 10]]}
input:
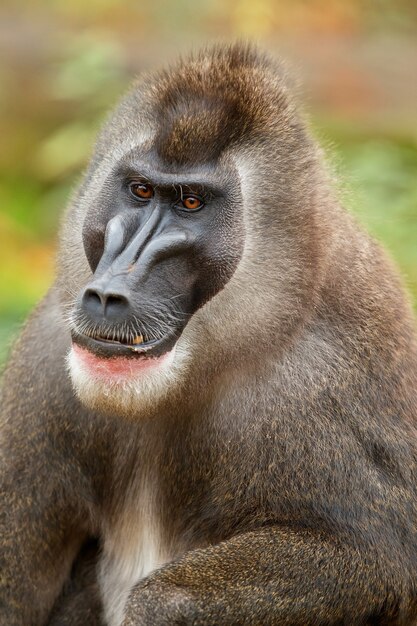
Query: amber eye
{"points": [[141, 191], [191, 203]]}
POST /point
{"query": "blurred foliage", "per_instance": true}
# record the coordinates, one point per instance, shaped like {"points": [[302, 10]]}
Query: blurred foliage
{"points": [[64, 64], [383, 176]]}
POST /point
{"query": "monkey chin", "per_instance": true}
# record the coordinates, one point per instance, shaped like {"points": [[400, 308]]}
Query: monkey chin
{"points": [[122, 386]]}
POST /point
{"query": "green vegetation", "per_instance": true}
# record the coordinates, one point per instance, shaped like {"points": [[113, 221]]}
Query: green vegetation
{"points": [[380, 187]]}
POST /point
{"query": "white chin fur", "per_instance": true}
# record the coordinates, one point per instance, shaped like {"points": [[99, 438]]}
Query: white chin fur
{"points": [[128, 396]]}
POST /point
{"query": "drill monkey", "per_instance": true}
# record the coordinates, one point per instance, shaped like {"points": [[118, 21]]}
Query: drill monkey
{"points": [[220, 386]]}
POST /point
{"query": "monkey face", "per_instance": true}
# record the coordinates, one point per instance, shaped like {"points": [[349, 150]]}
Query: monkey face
{"points": [[193, 230], [161, 240]]}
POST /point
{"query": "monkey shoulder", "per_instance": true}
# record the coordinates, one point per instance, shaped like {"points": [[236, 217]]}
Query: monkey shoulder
{"points": [[41, 421], [35, 380]]}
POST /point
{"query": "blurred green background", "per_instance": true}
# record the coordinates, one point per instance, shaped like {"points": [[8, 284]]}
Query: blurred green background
{"points": [[64, 64]]}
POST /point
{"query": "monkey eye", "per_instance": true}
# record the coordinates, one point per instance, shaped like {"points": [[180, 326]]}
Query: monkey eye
{"points": [[191, 203], [141, 191]]}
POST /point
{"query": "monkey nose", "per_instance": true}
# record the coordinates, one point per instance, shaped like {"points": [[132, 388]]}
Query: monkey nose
{"points": [[105, 304]]}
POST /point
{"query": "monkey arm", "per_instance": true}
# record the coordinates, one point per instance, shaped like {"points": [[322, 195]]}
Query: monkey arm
{"points": [[37, 549], [43, 516], [271, 576]]}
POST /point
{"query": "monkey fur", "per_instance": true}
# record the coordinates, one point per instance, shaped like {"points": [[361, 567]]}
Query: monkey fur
{"points": [[266, 472]]}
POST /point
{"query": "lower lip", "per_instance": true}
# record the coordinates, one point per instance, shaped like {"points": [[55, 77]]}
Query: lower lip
{"points": [[116, 368]]}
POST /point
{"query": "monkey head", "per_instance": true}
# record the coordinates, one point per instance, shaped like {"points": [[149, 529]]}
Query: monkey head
{"points": [[185, 243]]}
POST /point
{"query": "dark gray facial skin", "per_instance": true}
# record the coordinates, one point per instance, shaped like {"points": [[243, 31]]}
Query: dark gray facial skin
{"points": [[154, 261]]}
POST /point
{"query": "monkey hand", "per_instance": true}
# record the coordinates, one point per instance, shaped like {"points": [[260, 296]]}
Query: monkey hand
{"points": [[162, 604], [271, 576]]}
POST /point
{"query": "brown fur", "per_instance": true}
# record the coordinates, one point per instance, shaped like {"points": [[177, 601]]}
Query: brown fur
{"points": [[283, 462]]}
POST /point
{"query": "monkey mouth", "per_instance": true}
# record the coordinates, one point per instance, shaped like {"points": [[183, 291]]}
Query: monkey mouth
{"points": [[141, 347]]}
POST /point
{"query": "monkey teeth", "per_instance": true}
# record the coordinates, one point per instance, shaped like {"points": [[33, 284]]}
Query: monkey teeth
{"points": [[138, 340]]}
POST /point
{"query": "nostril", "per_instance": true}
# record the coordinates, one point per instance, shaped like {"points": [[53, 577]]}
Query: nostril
{"points": [[115, 306], [101, 304], [92, 301], [109, 305]]}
